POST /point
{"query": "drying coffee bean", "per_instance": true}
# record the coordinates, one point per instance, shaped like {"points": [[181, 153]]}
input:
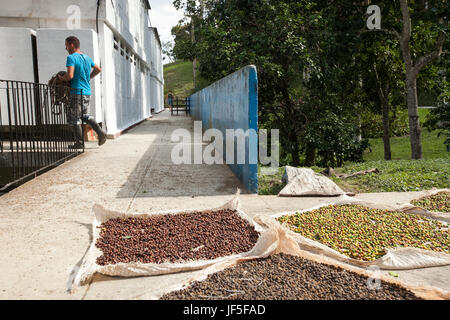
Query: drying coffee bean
{"points": [[287, 277], [175, 238], [439, 202], [364, 233]]}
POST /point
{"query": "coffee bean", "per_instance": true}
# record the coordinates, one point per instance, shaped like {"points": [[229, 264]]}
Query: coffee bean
{"points": [[182, 237], [287, 277]]}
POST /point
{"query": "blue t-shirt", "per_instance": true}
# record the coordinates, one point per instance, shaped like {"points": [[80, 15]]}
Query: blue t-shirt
{"points": [[82, 75]]}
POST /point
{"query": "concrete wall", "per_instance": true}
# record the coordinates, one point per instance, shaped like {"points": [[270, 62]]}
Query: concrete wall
{"points": [[232, 103], [127, 91], [45, 13], [16, 59], [16, 63], [125, 84], [52, 57]]}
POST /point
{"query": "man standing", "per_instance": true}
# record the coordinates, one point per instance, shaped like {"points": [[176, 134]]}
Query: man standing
{"points": [[80, 70]]}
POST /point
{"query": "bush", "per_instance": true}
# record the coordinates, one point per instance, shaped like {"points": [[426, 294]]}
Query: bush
{"points": [[372, 124], [336, 141]]}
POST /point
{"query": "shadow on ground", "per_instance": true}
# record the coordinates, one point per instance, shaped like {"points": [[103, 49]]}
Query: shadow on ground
{"points": [[157, 176]]}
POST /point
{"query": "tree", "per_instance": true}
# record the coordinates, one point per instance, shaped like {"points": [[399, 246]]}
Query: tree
{"points": [[285, 40], [421, 43], [167, 50], [193, 9], [383, 80], [183, 48]]}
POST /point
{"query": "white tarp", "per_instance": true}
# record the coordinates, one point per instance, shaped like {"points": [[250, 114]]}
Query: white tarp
{"points": [[282, 242], [305, 182], [410, 208], [89, 266], [394, 259]]}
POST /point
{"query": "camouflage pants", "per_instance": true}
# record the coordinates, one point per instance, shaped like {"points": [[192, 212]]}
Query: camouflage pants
{"points": [[78, 109]]}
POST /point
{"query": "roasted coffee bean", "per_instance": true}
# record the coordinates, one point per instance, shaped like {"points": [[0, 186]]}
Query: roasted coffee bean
{"points": [[175, 238], [287, 277]]}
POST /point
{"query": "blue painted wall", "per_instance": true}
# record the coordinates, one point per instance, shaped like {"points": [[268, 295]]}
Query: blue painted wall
{"points": [[232, 103]]}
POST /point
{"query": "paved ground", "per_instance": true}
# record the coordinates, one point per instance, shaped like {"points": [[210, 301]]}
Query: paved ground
{"points": [[45, 225]]}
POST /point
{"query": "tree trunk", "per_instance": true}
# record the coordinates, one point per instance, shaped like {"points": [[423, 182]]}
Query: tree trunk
{"points": [[295, 153], [383, 95], [194, 63], [386, 131], [413, 115], [310, 155]]}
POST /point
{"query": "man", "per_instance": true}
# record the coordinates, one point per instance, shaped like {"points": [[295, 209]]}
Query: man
{"points": [[80, 70]]}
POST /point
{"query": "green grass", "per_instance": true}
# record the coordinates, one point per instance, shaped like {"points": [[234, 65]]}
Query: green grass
{"points": [[270, 184], [394, 176], [397, 175], [178, 77], [433, 147]]}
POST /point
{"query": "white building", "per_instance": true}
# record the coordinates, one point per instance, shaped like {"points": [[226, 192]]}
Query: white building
{"points": [[118, 36]]}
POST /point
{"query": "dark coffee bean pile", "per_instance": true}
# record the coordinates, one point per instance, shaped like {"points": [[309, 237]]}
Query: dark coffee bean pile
{"points": [[286, 277], [175, 238]]}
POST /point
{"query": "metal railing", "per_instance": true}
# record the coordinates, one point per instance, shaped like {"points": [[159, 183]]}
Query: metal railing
{"points": [[34, 133], [179, 105]]}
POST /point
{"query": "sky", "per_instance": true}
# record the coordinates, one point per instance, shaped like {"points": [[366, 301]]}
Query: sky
{"points": [[164, 16]]}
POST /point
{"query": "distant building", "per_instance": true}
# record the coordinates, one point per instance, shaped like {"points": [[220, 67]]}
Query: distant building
{"points": [[117, 34]]}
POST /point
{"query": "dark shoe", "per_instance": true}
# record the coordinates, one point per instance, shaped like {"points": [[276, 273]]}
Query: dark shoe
{"points": [[101, 139], [99, 131]]}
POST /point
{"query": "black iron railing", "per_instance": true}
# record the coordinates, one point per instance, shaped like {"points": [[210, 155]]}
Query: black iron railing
{"points": [[177, 105], [34, 133]]}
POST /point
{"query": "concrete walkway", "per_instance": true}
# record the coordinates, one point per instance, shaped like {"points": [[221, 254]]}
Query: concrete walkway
{"points": [[45, 225]]}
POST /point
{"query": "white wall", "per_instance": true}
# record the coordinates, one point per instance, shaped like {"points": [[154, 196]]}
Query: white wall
{"points": [[125, 84], [16, 63], [156, 72], [127, 94], [52, 57], [45, 13], [16, 58]]}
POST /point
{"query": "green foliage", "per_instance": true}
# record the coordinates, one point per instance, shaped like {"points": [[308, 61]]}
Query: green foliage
{"points": [[270, 184], [394, 176], [372, 124], [316, 52], [167, 50], [184, 48], [335, 140]]}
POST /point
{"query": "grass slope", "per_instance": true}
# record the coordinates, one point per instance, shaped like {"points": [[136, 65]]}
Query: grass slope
{"points": [[178, 78]]}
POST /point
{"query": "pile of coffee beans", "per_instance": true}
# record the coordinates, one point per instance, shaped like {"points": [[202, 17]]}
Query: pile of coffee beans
{"points": [[363, 233], [286, 277], [175, 238], [439, 202]]}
